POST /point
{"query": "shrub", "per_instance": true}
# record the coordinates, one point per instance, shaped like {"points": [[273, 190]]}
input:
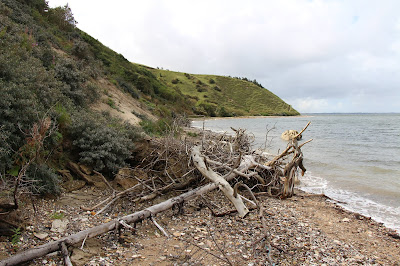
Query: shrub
{"points": [[211, 81], [91, 92], [17, 114], [62, 115], [175, 81], [67, 71], [81, 50], [144, 85], [111, 103], [155, 128], [200, 89], [5, 151], [192, 134], [44, 180], [210, 109], [224, 113], [217, 88], [101, 144], [47, 58], [127, 87], [62, 17], [164, 126]]}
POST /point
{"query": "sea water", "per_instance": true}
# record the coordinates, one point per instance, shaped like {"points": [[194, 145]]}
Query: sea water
{"points": [[353, 158]]}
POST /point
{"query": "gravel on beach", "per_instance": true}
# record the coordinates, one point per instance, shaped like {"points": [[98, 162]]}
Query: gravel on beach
{"points": [[306, 229]]}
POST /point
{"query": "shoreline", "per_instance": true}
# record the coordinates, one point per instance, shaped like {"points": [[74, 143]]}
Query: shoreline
{"points": [[302, 230], [244, 117], [342, 204], [306, 229]]}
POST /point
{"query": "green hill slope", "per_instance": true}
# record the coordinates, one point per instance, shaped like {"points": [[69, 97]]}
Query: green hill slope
{"points": [[65, 96], [224, 96]]}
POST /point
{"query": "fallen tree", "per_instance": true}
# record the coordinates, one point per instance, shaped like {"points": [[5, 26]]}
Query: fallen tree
{"points": [[221, 159], [222, 183], [112, 225]]}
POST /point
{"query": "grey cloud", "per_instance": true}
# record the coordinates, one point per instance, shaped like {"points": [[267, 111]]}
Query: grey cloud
{"points": [[335, 54]]}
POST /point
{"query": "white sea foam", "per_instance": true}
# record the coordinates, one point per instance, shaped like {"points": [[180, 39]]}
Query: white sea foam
{"points": [[357, 155], [388, 215]]}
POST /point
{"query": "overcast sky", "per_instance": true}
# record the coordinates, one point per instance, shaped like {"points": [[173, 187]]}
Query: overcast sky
{"points": [[318, 56]]}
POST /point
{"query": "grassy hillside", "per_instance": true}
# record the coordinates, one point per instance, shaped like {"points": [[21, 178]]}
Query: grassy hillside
{"points": [[51, 74], [212, 95], [65, 96]]}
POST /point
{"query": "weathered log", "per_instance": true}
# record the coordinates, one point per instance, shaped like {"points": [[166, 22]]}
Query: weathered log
{"points": [[199, 162], [75, 168], [65, 253], [42, 250]]}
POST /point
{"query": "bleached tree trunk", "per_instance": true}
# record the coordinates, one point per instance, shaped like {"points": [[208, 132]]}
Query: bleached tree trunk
{"points": [[199, 162], [42, 250]]}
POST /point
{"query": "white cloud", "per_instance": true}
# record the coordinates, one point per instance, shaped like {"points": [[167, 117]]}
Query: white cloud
{"points": [[310, 105], [304, 51]]}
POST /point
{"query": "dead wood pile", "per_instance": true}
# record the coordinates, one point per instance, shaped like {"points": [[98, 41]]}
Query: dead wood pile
{"points": [[187, 163]]}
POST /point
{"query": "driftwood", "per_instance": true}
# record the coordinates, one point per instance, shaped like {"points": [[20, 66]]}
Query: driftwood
{"points": [[65, 253], [199, 162], [177, 164], [112, 225], [75, 168]]}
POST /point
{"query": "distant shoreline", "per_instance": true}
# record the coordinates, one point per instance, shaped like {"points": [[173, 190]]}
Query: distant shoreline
{"points": [[245, 117], [281, 116]]}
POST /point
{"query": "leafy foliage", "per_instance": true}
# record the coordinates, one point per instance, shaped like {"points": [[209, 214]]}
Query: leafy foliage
{"points": [[105, 146], [62, 17], [15, 238], [44, 180], [158, 128], [49, 68], [255, 82]]}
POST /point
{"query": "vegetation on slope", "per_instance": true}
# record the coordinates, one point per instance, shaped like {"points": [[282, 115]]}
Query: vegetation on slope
{"points": [[48, 78], [212, 95], [51, 73]]}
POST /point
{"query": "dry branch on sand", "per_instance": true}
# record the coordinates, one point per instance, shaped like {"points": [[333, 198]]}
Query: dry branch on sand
{"points": [[171, 164]]}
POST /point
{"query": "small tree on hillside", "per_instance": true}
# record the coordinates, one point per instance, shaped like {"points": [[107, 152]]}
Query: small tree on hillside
{"points": [[63, 17]]}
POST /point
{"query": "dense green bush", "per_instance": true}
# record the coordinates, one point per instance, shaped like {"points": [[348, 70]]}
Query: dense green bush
{"points": [[164, 126], [62, 17], [201, 89], [81, 50], [224, 113], [16, 116], [217, 88], [5, 151], [144, 85], [43, 179], [128, 87], [156, 128], [67, 71], [209, 109], [101, 144]]}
